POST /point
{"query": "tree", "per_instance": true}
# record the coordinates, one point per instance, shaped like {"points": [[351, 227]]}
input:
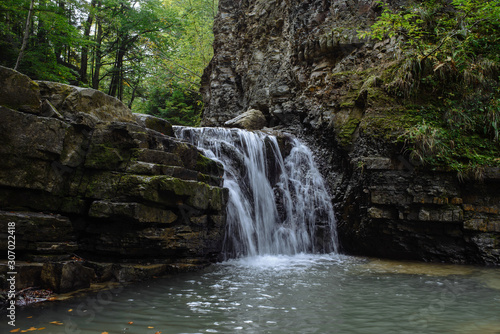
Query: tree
{"points": [[131, 49], [181, 65], [26, 34]]}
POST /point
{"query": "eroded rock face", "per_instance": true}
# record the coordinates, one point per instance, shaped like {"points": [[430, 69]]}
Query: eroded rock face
{"points": [[302, 64], [278, 57], [84, 175]]}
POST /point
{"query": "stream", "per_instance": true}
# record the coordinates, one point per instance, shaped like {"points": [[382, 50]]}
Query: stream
{"points": [[301, 293], [282, 272]]}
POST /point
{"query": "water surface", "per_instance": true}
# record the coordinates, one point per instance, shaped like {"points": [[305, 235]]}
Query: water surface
{"points": [[289, 294]]}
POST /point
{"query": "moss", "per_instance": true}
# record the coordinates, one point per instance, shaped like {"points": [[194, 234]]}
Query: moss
{"points": [[207, 166], [100, 185], [348, 104], [104, 157], [347, 131], [387, 125]]}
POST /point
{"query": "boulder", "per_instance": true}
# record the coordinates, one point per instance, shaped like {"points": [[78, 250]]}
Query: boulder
{"points": [[19, 92], [76, 102], [252, 119]]}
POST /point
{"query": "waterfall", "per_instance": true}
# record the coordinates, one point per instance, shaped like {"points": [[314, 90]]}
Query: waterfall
{"points": [[278, 203]]}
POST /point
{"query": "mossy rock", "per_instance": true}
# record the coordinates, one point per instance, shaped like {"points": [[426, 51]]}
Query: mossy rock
{"points": [[157, 157], [72, 101], [171, 192], [132, 211], [19, 92], [154, 123], [104, 157], [99, 185], [346, 131], [208, 166], [193, 159]]}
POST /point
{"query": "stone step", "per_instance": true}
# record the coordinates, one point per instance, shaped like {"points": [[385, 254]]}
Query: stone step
{"points": [[148, 168]]}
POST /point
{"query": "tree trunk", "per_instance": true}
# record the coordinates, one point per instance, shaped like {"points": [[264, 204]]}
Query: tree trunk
{"points": [[85, 49], [26, 35], [116, 77], [97, 56]]}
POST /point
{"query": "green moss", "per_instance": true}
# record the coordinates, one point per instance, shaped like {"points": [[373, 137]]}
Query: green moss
{"points": [[347, 104], [346, 132], [207, 166], [104, 157]]}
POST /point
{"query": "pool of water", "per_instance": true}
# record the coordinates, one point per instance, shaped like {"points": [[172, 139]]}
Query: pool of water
{"points": [[287, 294]]}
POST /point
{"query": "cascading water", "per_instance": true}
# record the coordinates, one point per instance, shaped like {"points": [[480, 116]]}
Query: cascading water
{"points": [[278, 203]]}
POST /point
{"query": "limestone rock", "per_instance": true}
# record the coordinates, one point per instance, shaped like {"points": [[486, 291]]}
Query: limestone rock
{"points": [[250, 120], [84, 176], [74, 102], [19, 92], [135, 211], [65, 277], [28, 274], [154, 123]]}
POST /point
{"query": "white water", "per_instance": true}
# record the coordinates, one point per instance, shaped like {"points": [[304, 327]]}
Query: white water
{"points": [[277, 288], [277, 205]]}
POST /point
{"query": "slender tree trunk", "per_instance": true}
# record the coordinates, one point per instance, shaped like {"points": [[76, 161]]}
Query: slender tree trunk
{"points": [[60, 50], [85, 49], [132, 98], [26, 35], [97, 56], [116, 77]]}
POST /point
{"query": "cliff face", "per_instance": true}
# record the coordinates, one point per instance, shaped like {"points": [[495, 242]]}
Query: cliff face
{"points": [[302, 65], [81, 175]]}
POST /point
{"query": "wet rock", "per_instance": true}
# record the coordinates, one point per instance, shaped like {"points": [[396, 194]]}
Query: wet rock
{"points": [[154, 123], [65, 277], [134, 273], [83, 177], [250, 120]]}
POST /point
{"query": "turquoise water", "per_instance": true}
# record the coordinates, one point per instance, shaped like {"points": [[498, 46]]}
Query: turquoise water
{"points": [[288, 294]]}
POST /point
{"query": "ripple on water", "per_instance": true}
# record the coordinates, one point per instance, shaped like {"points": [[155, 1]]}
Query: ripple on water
{"points": [[293, 294]]}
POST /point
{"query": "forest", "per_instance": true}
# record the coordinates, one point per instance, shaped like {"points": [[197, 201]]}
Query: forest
{"points": [[150, 54]]}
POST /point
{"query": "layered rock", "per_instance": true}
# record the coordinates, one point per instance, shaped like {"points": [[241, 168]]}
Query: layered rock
{"points": [[81, 175], [302, 64], [392, 210]]}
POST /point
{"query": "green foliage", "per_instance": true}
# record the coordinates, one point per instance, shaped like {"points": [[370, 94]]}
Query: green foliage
{"points": [[441, 28], [461, 135], [130, 49], [47, 56], [396, 24], [175, 104], [450, 67], [176, 69]]}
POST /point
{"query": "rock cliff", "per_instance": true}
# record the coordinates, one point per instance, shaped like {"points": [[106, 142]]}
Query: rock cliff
{"points": [[93, 189], [302, 64]]}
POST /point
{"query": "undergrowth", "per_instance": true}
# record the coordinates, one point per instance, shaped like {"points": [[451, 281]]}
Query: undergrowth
{"points": [[449, 78]]}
